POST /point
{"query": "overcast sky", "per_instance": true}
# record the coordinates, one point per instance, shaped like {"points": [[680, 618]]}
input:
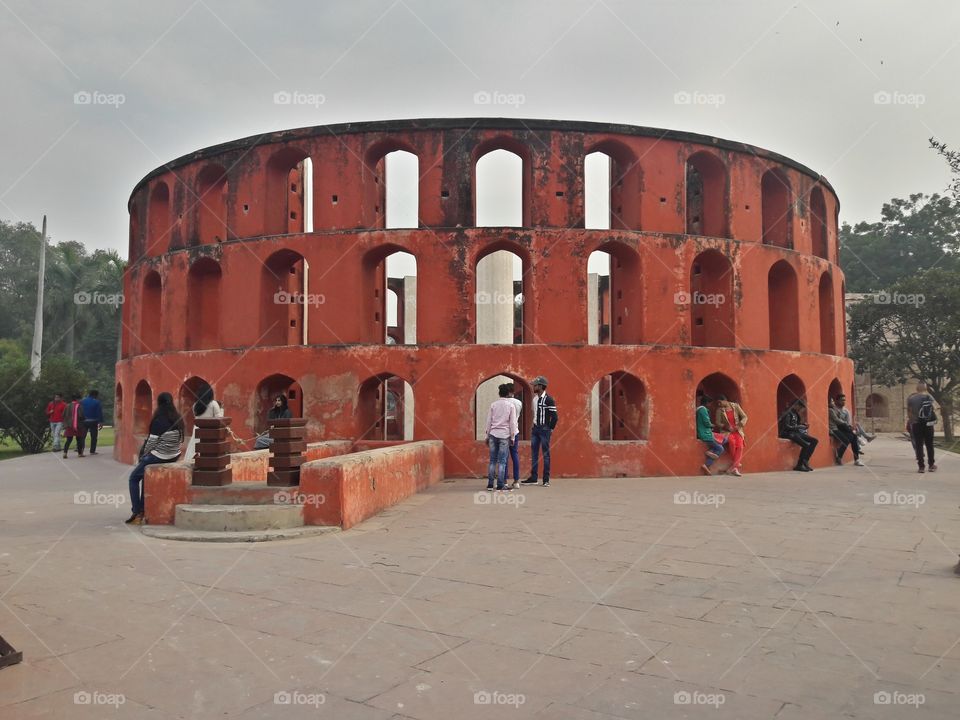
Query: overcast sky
{"points": [[799, 78]]}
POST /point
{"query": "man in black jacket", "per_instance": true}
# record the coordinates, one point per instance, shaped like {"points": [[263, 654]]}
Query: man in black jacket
{"points": [[794, 429], [544, 421]]}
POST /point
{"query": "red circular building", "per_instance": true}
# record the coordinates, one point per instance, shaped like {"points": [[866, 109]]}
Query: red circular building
{"points": [[260, 266]]}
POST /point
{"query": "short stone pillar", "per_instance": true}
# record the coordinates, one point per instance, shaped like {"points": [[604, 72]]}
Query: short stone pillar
{"points": [[212, 464], [289, 437]]}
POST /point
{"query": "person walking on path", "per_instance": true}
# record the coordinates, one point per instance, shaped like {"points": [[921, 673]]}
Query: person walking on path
{"points": [[204, 407], [841, 429], [544, 421], [161, 446], [515, 446], [501, 431], [921, 418], [74, 425], [55, 411], [792, 427], [705, 434], [93, 417], [731, 420]]}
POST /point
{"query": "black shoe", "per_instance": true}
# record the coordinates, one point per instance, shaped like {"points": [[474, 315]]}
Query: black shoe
{"points": [[806, 466], [837, 460], [546, 483], [130, 519], [529, 481], [799, 468]]}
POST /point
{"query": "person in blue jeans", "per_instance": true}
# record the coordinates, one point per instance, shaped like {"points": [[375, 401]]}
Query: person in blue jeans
{"points": [[92, 417], [515, 447], [706, 435], [501, 431], [544, 421], [161, 446]]}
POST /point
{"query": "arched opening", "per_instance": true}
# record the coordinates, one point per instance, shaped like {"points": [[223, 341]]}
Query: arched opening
{"points": [[117, 407], [613, 185], [614, 296], [489, 390], [267, 391], [392, 186], [782, 301], [283, 210], [499, 298], [385, 408], [203, 305], [836, 388], [711, 300], [877, 406], [142, 408], [159, 221], [212, 205], [717, 384], [500, 179], [283, 295], [135, 247], [706, 195], [818, 224], [789, 390], [151, 313], [186, 397], [777, 211], [618, 404], [390, 273], [828, 330]]}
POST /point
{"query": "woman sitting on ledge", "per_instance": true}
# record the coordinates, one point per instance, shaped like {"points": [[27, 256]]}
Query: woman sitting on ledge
{"points": [[279, 411], [161, 446]]}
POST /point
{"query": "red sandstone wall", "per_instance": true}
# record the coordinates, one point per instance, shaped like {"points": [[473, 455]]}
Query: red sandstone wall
{"points": [[445, 368]]}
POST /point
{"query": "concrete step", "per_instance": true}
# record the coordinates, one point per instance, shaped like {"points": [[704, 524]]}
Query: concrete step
{"points": [[238, 518], [245, 493], [169, 532]]}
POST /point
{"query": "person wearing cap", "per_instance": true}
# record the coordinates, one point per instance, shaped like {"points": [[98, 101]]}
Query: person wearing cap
{"points": [[544, 421], [501, 431], [793, 428]]}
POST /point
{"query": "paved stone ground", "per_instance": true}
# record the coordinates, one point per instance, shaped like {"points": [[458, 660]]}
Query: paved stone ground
{"points": [[790, 596]]}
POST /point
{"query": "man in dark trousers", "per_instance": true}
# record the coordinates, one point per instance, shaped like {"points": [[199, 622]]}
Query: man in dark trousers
{"points": [[544, 421], [93, 417], [793, 428], [921, 418]]}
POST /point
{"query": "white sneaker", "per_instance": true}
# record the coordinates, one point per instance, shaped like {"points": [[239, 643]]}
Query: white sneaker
{"points": [[858, 462]]}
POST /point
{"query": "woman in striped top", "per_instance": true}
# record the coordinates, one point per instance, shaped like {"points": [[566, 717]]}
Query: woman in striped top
{"points": [[161, 446]]}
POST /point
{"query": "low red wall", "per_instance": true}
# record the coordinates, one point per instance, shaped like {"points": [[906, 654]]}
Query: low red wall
{"points": [[348, 489]]}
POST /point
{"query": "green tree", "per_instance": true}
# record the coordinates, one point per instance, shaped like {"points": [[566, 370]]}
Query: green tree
{"points": [[912, 235], [19, 255], [913, 330]]}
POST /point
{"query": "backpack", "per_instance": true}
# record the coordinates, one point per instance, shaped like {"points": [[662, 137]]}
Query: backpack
{"points": [[926, 414]]}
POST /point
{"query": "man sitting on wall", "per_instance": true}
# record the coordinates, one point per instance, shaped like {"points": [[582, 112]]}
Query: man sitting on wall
{"points": [[793, 428]]}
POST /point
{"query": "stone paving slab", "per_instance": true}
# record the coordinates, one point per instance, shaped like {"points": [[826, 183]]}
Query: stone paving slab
{"points": [[780, 596]]}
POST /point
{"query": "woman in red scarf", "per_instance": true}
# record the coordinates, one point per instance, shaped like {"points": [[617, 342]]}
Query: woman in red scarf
{"points": [[74, 426]]}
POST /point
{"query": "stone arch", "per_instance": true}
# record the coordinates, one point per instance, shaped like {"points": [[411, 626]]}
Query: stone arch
{"points": [[151, 313], [777, 208], [142, 407], [212, 192], [390, 268], [828, 328], [615, 298], [186, 397], [783, 307], [623, 189], [707, 195], [135, 243], [159, 220], [711, 299], [379, 182], [819, 233], [284, 204], [500, 304], [282, 300], [267, 390], [488, 390], [619, 408], [790, 389], [385, 408], [203, 304], [876, 406], [835, 388], [716, 384], [519, 217]]}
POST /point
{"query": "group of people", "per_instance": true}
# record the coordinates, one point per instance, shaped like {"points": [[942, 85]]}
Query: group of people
{"points": [[503, 435], [722, 431], [75, 419], [166, 433]]}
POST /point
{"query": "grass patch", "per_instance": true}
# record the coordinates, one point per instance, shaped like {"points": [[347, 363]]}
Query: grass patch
{"points": [[10, 449], [942, 444]]}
